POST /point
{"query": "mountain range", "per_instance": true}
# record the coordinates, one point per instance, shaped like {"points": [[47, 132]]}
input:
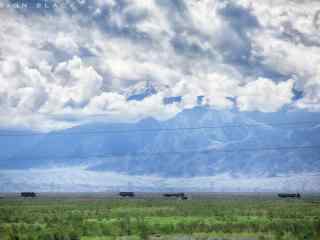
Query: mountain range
{"points": [[196, 142]]}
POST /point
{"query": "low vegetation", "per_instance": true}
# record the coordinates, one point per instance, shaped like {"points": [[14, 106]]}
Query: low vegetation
{"points": [[108, 219]]}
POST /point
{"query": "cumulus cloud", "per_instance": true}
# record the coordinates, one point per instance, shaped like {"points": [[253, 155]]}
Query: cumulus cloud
{"points": [[82, 80], [265, 95], [117, 107], [66, 43], [108, 3], [289, 44], [256, 53]]}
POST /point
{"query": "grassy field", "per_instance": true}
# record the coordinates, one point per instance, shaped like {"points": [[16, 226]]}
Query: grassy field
{"points": [[242, 218]]}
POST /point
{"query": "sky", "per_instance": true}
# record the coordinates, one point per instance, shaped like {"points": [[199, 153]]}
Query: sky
{"points": [[64, 63]]}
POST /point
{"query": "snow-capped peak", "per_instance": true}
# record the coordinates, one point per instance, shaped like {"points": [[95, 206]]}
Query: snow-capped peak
{"points": [[143, 89]]}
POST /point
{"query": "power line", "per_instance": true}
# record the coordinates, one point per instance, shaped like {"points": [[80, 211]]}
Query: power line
{"points": [[145, 154], [159, 129]]}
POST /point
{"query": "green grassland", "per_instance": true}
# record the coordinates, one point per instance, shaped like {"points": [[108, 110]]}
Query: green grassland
{"points": [[106, 219]]}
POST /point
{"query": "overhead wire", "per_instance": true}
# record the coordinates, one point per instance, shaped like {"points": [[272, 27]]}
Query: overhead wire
{"points": [[253, 125]]}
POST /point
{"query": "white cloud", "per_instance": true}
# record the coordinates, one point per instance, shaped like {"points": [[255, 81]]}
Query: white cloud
{"points": [[311, 98], [31, 99], [108, 3], [116, 107], [108, 101], [265, 95], [289, 44], [66, 43]]}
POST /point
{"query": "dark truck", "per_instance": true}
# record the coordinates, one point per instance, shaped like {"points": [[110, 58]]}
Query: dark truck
{"points": [[126, 194], [28, 194], [176, 195], [289, 195]]}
